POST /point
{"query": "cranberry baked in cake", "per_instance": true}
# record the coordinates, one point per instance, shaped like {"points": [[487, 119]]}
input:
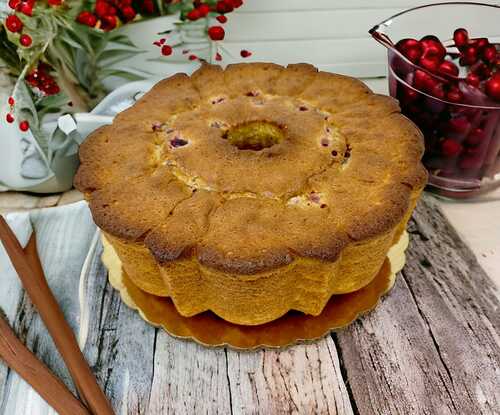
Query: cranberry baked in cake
{"points": [[253, 190]]}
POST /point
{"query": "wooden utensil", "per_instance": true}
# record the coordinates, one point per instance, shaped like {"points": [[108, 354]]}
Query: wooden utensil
{"points": [[34, 372], [35, 284]]}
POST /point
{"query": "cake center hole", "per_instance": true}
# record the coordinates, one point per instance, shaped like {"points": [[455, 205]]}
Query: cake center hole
{"points": [[255, 135]]}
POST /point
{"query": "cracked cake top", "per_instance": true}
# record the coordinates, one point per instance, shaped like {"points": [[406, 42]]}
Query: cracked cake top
{"points": [[250, 167]]}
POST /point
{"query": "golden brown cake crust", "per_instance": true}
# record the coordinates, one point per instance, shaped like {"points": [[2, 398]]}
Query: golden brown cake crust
{"points": [[164, 174]]}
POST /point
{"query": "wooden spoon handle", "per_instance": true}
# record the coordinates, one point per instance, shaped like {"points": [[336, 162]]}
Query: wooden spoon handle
{"points": [[34, 372]]}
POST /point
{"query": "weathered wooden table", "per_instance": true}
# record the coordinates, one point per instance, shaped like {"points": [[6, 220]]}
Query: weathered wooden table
{"points": [[431, 347]]}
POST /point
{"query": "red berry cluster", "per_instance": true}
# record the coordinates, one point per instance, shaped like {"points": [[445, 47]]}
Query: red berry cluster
{"points": [[40, 78], [480, 59], [14, 24], [108, 13], [202, 9], [440, 90], [23, 125]]}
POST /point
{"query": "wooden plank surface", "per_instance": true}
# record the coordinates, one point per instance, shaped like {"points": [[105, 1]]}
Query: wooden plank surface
{"points": [[431, 347]]}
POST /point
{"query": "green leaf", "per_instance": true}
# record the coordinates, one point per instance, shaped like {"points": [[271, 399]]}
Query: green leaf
{"points": [[120, 73], [111, 56], [122, 39]]}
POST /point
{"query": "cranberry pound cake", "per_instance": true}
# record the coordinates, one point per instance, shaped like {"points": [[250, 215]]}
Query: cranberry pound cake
{"points": [[253, 190]]}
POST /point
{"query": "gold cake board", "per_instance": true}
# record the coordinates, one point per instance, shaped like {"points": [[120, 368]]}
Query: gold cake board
{"points": [[294, 327]]}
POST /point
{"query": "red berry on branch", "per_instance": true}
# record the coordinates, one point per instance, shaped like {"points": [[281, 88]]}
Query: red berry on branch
{"points": [[490, 53], [9, 118], [216, 32], [221, 19], [448, 68], [128, 13], [24, 125], [26, 8], [460, 37], [14, 4], [235, 3], [102, 8], [13, 23], [25, 40], [218, 56], [204, 9], [87, 18], [223, 6], [193, 15], [11, 101], [245, 53], [473, 79], [492, 87], [147, 7], [109, 22], [166, 50]]}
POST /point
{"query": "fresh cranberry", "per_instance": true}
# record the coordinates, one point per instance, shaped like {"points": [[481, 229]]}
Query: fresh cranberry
{"points": [[475, 137], [481, 43], [216, 32], [166, 50], [13, 4], [459, 125], [13, 23], [460, 37], [450, 148], [11, 101], [193, 15], [489, 53], [454, 95], [432, 47], [407, 95], [109, 22], [245, 53], [9, 118], [224, 7], [431, 64], [87, 18], [448, 68], [26, 8], [492, 87], [24, 125], [235, 3], [423, 81], [147, 7], [471, 161], [438, 91], [101, 8], [221, 19], [192, 57], [469, 56], [128, 13], [204, 9], [25, 40], [473, 79], [410, 48]]}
